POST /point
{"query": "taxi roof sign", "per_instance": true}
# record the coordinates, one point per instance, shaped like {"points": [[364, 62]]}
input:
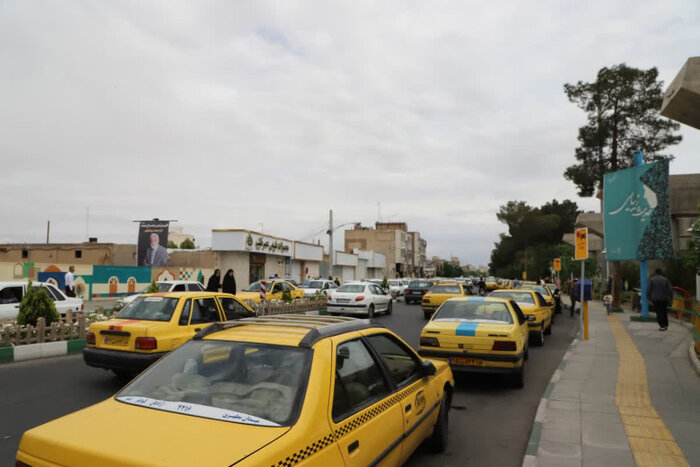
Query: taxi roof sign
{"points": [[581, 247]]}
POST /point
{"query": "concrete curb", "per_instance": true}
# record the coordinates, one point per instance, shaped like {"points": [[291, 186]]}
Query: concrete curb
{"points": [[533, 443], [20, 353], [694, 360]]}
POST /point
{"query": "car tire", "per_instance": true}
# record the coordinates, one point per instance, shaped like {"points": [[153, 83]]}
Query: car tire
{"points": [[527, 353], [518, 378], [539, 338], [438, 440], [548, 331], [552, 322], [389, 308], [370, 311], [427, 314]]}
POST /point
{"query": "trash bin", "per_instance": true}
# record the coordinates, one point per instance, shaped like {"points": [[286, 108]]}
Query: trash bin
{"points": [[587, 289]]}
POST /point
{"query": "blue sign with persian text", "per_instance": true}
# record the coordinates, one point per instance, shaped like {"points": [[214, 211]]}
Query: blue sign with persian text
{"points": [[637, 214]]}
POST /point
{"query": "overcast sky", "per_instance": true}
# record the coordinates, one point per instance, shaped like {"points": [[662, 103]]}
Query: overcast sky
{"points": [[235, 113]]}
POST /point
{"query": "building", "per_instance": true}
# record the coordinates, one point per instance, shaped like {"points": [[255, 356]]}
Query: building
{"points": [[177, 235], [69, 253], [404, 251]]}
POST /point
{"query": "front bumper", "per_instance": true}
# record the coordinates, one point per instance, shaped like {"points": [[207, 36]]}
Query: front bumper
{"points": [[119, 360]]}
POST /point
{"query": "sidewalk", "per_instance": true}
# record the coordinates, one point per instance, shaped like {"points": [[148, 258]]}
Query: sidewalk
{"points": [[628, 396]]}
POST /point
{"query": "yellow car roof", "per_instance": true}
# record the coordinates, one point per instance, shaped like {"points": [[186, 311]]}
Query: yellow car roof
{"points": [[292, 330], [186, 294], [479, 299], [509, 291]]}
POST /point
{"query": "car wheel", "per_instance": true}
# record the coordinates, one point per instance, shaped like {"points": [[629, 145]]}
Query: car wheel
{"points": [[438, 441], [389, 308], [552, 322], [539, 340], [527, 353], [426, 314], [518, 378], [549, 328], [370, 311]]}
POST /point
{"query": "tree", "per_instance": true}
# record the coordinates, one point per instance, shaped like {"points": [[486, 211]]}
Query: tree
{"points": [[36, 304], [622, 107], [172, 244], [187, 244], [153, 288]]}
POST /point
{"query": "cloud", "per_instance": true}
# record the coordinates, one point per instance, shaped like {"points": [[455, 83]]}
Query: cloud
{"points": [[224, 114]]}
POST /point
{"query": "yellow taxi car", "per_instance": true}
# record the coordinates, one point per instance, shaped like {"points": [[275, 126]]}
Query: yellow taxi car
{"points": [[543, 290], [153, 325], [438, 294], [479, 334], [538, 312], [274, 290], [284, 390]]}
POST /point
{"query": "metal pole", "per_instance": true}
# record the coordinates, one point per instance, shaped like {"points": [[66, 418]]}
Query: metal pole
{"points": [[643, 273], [330, 243], [48, 230], [583, 271]]}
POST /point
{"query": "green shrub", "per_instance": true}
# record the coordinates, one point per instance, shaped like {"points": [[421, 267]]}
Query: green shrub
{"points": [[319, 295], [385, 283], [287, 296], [36, 304], [153, 288]]}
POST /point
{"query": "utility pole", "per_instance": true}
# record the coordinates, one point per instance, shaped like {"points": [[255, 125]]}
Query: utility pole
{"points": [[330, 243], [48, 230]]}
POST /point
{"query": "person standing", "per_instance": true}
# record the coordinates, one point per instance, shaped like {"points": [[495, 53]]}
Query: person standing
{"points": [[70, 282], [573, 293], [660, 293], [229, 284], [214, 283]]}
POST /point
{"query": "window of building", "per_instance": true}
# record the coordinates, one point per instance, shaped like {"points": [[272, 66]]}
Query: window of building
{"points": [[78, 253], [25, 254]]}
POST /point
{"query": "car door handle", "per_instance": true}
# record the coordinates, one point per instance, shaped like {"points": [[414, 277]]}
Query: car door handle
{"points": [[353, 446], [408, 408]]}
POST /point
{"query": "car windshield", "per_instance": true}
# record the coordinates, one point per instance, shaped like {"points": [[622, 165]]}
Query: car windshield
{"points": [[419, 285], [255, 287], [237, 382], [312, 285], [351, 288], [543, 290], [478, 311], [150, 309], [520, 297], [450, 289]]}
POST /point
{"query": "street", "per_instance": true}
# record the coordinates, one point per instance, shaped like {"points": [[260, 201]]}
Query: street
{"points": [[489, 423]]}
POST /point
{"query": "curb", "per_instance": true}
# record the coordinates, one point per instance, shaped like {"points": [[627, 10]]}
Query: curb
{"points": [[533, 443], [694, 360], [20, 353]]}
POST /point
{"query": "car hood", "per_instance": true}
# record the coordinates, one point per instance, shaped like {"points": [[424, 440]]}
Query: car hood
{"points": [[112, 432], [254, 296]]}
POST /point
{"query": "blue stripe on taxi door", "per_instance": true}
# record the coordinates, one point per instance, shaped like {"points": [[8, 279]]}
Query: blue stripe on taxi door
{"points": [[466, 329]]}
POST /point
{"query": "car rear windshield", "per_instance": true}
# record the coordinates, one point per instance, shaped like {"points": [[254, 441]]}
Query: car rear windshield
{"points": [[453, 289], [520, 297], [237, 382], [351, 288], [474, 311], [397, 283], [150, 309], [419, 285], [312, 285], [164, 286], [255, 287]]}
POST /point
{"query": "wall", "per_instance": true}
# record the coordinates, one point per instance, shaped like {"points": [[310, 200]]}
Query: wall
{"points": [[192, 258], [239, 261]]}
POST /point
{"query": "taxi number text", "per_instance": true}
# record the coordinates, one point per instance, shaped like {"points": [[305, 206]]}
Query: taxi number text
{"points": [[116, 340], [466, 361]]}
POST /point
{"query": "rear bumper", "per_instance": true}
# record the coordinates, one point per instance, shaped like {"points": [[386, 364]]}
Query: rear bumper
{"points": [[429, 308], [119, 360], [487, 357]]}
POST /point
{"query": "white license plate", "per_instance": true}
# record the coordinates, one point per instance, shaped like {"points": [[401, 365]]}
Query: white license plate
{"points": [[343, 300]]}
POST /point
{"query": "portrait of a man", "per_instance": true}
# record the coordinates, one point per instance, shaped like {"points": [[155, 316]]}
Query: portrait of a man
{"points": [[156, 254]]}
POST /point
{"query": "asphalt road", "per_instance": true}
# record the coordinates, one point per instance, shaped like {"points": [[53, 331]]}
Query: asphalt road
{"points": [[489, 423]]}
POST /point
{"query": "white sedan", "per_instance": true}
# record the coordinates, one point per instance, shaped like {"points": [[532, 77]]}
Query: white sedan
{"points": [[11, 294], [163, 286], [359, 298], [311, 286]]}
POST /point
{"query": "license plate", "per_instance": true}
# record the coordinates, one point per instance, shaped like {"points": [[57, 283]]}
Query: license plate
{"points": [[463, 361], [117, 340], [343, 300]]}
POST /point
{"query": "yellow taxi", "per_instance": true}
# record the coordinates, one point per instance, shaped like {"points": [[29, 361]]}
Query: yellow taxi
{"points": [[285, 390], [479, 334], [538, 312], [438, 294], [543, 290], [153, 325], [273, 291]]}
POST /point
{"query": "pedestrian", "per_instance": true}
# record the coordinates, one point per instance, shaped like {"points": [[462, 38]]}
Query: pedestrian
{"points": [[229, 284], [69, 279], [214, 283], [573, 293], [337, 281], [660, 293], [607, 301]]}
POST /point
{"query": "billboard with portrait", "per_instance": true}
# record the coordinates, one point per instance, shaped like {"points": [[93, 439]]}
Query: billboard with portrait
{"points": [[637, 213], [153, 243]]}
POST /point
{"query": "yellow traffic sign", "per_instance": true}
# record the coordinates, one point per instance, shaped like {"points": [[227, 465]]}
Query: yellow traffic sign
{"points": [[557, 264], [581, 249]]}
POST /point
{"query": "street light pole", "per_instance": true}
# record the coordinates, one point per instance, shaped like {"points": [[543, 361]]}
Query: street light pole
{"points": [[330, 243]]}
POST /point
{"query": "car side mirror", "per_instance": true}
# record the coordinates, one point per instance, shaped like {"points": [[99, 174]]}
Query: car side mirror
{"points": [[427, 368]]}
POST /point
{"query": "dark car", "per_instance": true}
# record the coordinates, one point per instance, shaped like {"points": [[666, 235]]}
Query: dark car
{"points": [[416, 289]]}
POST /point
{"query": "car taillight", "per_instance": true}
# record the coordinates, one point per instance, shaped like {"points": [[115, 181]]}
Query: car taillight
{"points": [[531, 317], [406, 292], [82, 306], [330, 298], [90, 338], [425, 291], [360, 298], [504, 346], [146, 343], [19, 463], [429, 342]]}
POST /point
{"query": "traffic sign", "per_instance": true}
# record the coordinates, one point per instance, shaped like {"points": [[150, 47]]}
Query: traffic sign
{"points": [[581, 249], [557, 264]]}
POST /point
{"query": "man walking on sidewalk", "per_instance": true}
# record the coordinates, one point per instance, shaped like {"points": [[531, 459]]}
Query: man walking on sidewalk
{"points": [[69, 279], [660, 293]]}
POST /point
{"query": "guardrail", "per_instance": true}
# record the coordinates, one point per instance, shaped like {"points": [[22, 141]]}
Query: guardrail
{"points": [[688, 309]]}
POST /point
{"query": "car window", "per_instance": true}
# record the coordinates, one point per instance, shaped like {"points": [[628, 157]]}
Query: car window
{"points": [[520, 297], [233, 309], [56, 293], [419, 285], [332, 285], [11, 294], [185, 315], [376, 290], [446, 289], [150, 309], [178, 288], [518, 312], [197, 287], [204, 311], [540, 299], [45, 289], [351, 288], [400, 362], [277, 288], [359, 379], [474, 310], [287, 286]]}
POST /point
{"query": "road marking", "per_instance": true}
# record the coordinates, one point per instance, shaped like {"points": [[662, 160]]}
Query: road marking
{"points": [[651, 442]]}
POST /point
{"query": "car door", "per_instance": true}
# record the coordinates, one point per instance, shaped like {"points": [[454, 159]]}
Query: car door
{"points": [[522, 322], [10, 298], [380, 298], [233, 309], [275, 292], [420, 407], [363, 413]]}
